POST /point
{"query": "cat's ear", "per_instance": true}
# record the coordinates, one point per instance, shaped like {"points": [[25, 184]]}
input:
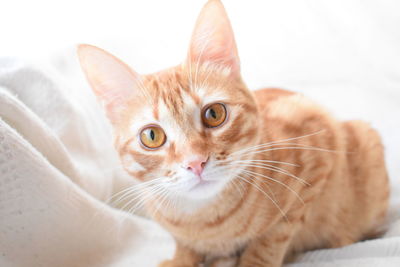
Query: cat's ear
{"points": [[113, 82], [213, 40]]}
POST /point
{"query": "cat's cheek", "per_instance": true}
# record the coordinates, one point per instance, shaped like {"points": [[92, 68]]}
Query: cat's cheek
{"points": [[130, 164]]}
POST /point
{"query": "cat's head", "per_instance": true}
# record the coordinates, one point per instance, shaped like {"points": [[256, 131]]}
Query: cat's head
{"points": [[180, 128]]}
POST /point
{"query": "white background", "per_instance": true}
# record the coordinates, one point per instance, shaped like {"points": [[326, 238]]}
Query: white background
{"points": [[343, 53]]}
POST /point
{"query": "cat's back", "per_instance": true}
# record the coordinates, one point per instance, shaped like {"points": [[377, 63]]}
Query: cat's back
{"points": [[356, 182], [265, 96], [288, 111]]}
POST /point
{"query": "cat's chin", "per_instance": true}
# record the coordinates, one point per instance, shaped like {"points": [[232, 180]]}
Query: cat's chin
{"points": [[203, 189], [198, 195]]}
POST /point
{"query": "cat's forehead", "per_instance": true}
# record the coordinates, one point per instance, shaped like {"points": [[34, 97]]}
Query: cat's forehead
{"points": [[177, 93], [180, 86]]}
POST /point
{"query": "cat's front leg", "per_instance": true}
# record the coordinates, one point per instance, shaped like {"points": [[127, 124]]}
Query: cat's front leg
{"points": [[267, 251], [184, 257], [223, 262]]}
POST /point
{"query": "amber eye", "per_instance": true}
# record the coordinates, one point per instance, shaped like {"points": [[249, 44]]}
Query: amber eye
{"points": [[214, 115], [152, 137]]}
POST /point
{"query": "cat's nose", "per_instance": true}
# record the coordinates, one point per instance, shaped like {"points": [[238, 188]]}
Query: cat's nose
{"points": [[197, 166]]}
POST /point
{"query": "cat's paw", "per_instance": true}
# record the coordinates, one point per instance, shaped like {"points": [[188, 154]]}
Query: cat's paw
{"points": [[175, 263], [168, 263], [224, 262]]}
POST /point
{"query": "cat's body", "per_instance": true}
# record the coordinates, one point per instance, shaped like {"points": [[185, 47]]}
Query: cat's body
{"points": [[238, 177], [345, 198]]}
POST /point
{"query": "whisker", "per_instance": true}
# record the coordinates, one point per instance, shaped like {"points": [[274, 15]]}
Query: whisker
{"points": [[280, 141], [131, 190], [251, 173], [279, 145], [262, 160], [237, 188], [273, 168], [164, 197], [267, 185], [144, 198], [264, 193], [294, 148], [139, 197], [143, 192]]}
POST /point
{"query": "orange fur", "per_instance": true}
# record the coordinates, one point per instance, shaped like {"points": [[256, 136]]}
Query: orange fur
{"points": [[294, 178], [345, 199]]}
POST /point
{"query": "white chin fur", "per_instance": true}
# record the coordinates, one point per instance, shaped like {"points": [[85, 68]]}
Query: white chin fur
{"points": [[192, 195]]}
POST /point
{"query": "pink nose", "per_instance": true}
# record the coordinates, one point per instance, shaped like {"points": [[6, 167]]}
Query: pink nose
{"points": [[197, 165]]}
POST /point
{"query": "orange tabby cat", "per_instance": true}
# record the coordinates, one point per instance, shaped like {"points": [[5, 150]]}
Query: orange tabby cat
{"points": [[238, 177]]}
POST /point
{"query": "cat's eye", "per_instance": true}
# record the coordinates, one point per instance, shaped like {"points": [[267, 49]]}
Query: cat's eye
{"points": [[152, 137], [214, 115]]}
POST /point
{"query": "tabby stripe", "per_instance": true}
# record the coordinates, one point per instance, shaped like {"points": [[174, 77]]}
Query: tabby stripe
{"points": [[232, 211]]}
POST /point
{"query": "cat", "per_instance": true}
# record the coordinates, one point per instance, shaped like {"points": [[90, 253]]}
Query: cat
{"points": [[238, 177]]}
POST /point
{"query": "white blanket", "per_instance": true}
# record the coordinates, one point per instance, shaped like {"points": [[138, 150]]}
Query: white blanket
{"points": [[58, 167]]}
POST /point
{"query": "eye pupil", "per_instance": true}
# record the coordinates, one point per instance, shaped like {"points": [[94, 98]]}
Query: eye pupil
{"points": [[213, 113], [152, 135]]}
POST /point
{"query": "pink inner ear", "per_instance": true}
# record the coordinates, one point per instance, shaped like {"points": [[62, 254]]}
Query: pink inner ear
{"points": [[213, 40], [112, 81]]}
